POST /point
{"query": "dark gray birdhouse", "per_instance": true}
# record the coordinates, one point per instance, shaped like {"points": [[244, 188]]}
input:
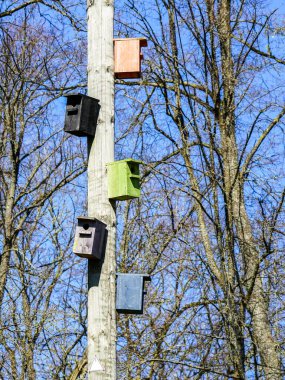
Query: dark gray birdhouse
{"points": [[89, 238], [81, 115], [130, 292]]}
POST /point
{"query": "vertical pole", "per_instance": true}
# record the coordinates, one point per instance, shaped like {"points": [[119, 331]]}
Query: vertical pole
{"points": [[101, 279]]}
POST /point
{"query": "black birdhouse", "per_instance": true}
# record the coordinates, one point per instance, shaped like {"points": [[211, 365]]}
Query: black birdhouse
{"points": [[130, 292], [81, 115], [89, 238]]}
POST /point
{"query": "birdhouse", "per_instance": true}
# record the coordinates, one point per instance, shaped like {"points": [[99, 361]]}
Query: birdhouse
{"points": [[89, 238], [130, 292], [81, 115], [123, 179], [128, 56]]}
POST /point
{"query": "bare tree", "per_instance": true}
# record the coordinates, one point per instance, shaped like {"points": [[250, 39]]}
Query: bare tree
{"points": [[42, 286], [62, 10], [209, 123]]}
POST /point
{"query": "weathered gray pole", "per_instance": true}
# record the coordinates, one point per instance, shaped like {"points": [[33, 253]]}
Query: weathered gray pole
{"points": [[101, 280]]}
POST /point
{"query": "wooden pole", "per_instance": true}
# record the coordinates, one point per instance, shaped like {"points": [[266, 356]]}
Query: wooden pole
{"points": [[101, 279]]}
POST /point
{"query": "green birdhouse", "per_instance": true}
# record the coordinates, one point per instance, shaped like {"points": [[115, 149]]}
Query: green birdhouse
{"points": [[124, 179]]}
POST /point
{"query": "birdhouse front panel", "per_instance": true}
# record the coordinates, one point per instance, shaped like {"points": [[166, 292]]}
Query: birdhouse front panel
{"points": [[130, 292], [89, 238], [129, 297], [127, 55], [81, 115], [123, 179]]}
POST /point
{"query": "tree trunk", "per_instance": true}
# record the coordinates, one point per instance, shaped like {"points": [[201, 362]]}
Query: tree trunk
{"points": [[101, 277]]}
